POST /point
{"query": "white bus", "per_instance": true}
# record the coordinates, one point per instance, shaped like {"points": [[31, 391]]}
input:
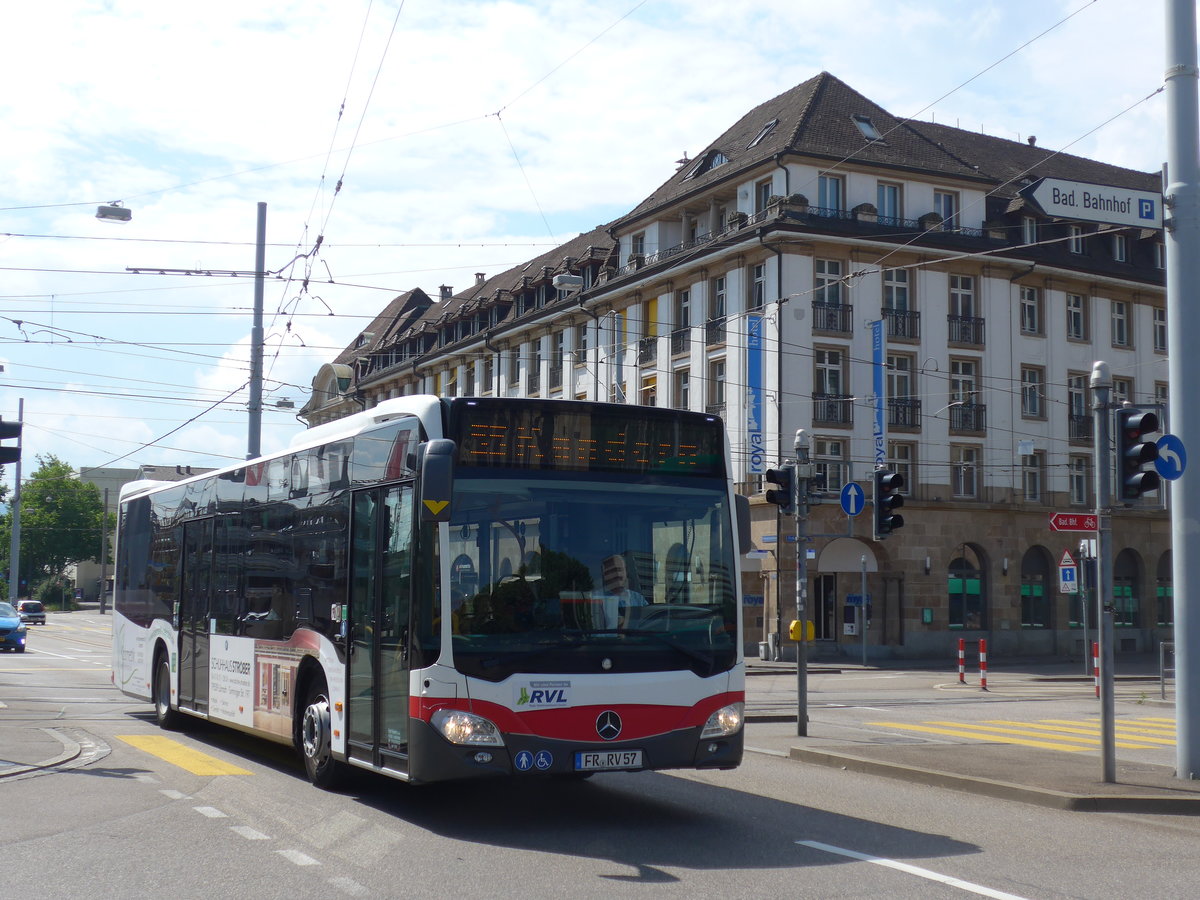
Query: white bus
{"points": [[450, 588]]}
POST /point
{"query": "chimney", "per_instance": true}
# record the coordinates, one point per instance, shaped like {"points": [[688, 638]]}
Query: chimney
{"points": [[480, 278], [446, 291], [1032, 140]]}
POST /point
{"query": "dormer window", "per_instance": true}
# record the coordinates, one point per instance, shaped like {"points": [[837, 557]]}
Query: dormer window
{"points": [[363, 339], [867, 127], [711, 160], [761, 136]]}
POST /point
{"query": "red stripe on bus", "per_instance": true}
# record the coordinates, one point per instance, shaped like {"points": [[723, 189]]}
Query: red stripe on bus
{"points": [[578, 723]]}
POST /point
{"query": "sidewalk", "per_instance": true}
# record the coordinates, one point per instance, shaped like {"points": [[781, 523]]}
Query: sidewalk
{"points": [[1071, 781]]}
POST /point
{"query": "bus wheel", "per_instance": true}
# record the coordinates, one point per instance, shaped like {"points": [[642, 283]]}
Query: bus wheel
{"points": [[315, 739], [165, 716]]}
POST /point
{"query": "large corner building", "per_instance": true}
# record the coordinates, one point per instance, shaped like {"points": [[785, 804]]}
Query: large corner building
{"points": [[748, 285]]}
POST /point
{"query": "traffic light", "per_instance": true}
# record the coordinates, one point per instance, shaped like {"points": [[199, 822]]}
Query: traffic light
{"points": [[784, 492], [10, 430], [887, 499], [1135, 450]]}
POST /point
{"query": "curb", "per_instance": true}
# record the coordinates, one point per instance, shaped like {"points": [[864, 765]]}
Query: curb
{"points": [[71, 750], [1002, 790]]}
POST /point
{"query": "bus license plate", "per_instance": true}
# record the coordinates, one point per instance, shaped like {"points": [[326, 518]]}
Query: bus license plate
{"points": [[608, 759]]}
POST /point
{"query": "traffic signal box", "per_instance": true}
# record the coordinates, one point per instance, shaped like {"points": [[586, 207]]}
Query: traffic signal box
{"points": [[887, 499], [9, 430], [783, 494], [1134, 451]]}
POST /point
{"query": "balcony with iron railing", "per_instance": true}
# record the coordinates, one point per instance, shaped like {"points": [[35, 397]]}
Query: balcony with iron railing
{"points": [[904, 324], [904, 412], [715, 409], [533, 381], [648, 351], [835, 317], [966, 330], [556, 377], [833, 409], [968, 418], [679, 341], [1079, 428], [714, 331]]}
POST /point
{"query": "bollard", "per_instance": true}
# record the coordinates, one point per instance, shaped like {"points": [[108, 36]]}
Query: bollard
{"points": [[962, 661], [982, 664], [1096, 664]]}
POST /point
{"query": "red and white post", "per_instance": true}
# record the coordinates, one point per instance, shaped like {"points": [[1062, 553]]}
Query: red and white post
{"points": [[962, 661], [1096, 664], [982, 664]]}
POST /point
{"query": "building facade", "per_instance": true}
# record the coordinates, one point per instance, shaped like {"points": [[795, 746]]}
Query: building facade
{"points": [[882, 285]]}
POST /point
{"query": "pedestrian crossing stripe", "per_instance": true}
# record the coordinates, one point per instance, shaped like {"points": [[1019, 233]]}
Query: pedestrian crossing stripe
{"points": [[1050, 734], [180, 755]]}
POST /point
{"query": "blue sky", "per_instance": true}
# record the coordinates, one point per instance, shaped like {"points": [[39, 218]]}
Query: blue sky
{"points": [[472, 136]]}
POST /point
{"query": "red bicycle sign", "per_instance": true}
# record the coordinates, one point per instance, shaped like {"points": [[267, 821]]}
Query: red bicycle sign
{"points": [[1072, 522]]}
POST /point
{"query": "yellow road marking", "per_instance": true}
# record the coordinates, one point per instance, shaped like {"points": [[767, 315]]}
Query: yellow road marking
{"points": [[1091, 735], [1120, 728], [185, 757], [999, 737]]}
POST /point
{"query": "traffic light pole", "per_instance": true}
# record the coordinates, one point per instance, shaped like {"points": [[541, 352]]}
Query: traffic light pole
{"points": [[1101, 383], [14, 548], [803, 475]]}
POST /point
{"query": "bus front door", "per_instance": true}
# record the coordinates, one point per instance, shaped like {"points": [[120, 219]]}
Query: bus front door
{"points": [[380, 601], [194, 614]]}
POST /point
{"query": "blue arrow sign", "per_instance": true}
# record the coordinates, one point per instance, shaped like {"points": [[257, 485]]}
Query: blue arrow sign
{"points": [[1172, 457], [853, 498]]}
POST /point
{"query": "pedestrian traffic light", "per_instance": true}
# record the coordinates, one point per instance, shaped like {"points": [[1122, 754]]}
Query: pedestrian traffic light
{"points": [[784, 493], [887, 499], [1135, 450], [10, 430]]}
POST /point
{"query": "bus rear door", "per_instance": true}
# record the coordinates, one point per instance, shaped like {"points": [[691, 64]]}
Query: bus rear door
{"points": [[380, 601], [194, 614]]}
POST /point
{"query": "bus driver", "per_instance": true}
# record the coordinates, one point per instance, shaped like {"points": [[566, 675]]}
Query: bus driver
{"points": [[616, 584]]}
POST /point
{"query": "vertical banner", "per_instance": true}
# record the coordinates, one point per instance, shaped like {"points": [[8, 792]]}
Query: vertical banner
{"points": [[754, 395], [878, 364]]}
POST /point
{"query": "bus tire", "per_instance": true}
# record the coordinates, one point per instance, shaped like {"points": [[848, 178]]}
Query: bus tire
{"points": [[167, 718], [316, 738]]}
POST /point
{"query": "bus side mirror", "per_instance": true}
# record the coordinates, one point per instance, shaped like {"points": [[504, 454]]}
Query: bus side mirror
{"points": [[742, 507], [436, 464]]}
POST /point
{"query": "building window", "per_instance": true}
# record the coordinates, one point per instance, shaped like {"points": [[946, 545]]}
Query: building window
{"points": [[1031, 310], [1029, 230], [828, 378], [1120, 324], [1160, 256], [945, 204], [831, 192], [1076, 317], [766, 130], [1160, 393], [1075, 239], [683, 389], [1122, 390], [1160, 329], [902, 459], [1078, 474], [514, 368], [489, 376], [1033, 383], [962, 296], [904, 408], [637, 244], [716, 387], [963, 373], [888, 202], [758, 286], [1079, 419], [1032, 467], [1120, 247], [683, 308], [717, 298], [964, 470], [867, 127], [763, 192], [829, 464], [828, 273], [581, 343], [649, 392], [895, 289]]}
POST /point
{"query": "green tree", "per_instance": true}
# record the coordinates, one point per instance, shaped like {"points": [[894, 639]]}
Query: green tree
{"points": [[60, 521]]}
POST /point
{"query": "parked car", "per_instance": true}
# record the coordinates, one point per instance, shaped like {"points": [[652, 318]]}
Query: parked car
{"points": [[31, 611], [12, 629]]}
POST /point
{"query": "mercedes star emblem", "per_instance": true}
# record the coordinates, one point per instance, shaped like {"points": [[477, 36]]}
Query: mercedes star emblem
{"points": [[608, 725]]}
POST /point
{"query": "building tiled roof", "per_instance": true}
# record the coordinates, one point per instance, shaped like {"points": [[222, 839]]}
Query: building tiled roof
{"points": [[396, 318]]}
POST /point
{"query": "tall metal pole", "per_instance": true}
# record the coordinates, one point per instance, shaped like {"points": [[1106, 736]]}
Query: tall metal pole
{"points": [[863, 608], [254, 441], [103, 550], [1101, 390], [803, 474], [1182, 235], [14, 547]]}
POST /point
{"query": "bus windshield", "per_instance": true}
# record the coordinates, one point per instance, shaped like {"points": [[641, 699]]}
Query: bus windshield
{"points": [[569, 572]]}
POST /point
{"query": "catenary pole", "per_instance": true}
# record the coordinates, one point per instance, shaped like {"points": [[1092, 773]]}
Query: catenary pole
{"points": [[14, 547], [254, 439], [1101, 383], [804, 472], [1182, 236]]}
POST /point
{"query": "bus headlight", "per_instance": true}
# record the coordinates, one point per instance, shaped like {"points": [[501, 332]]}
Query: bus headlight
{"points": [[725, 721], [460, 727]]}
